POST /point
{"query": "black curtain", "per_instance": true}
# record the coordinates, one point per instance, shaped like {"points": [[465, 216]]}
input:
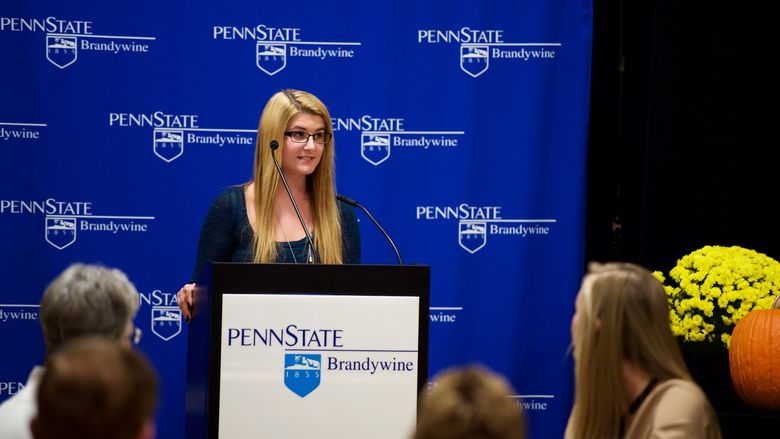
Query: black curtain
{"points": [[685, 129], [684, 143]]}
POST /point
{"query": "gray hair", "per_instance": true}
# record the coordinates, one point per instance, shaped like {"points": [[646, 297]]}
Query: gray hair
{"points": [[87, 300]]}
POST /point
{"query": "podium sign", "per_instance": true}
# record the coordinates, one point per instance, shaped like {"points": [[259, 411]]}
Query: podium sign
{"points": [[295, 350], [337, 366]]}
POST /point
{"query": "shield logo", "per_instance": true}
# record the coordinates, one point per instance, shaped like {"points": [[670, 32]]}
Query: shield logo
{"points": [[166, 321], [472, 235], [61, 51], [60, 232], [302, 373], [271, 58], [168, 145], [474, 59], [375, 148]]}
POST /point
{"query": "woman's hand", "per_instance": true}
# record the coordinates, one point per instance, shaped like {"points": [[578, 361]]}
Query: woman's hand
{"points": [[184, 300]]}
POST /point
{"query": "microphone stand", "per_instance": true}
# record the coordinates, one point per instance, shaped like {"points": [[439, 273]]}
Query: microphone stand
{"points": [[354, 203], [274, 146]]}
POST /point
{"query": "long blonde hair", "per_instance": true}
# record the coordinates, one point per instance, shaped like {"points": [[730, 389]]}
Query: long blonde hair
{"points": [[278, 112], [623, 315]]}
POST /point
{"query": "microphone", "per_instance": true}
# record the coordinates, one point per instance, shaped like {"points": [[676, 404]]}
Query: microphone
{"points": [[354, 203], [274, 146]]}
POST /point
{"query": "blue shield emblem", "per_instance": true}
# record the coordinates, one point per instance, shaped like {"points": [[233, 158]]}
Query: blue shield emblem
{"points": [[375, 148], [166, 321], [168, 145], [60, 232], [302, 373], [61, 51], [472, 235], [271, 58], [474, 59]]}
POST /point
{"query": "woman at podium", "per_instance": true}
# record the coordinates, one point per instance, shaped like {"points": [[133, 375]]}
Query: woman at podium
{"points": [[258, 221]]}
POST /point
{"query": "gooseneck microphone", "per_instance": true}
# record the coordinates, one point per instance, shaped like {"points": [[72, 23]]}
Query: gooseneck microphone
{"points": [[354, 203], [274, 146]]}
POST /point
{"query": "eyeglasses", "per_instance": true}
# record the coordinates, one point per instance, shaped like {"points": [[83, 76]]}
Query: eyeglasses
{"points": [[303, 137], [135, 335]]}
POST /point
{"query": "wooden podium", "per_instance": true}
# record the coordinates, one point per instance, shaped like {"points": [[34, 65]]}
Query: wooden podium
{"points": [[295, 350]]}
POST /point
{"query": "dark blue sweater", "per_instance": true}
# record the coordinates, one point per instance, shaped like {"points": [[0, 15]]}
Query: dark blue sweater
{"points": [[226, 235]]}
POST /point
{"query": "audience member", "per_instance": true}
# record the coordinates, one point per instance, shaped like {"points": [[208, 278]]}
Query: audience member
{"points": [[630, 377], [82, 300], [470, 403], [93, 388]]}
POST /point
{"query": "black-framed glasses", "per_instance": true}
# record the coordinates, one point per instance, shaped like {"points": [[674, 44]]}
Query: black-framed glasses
{"points": [[303, 137]]}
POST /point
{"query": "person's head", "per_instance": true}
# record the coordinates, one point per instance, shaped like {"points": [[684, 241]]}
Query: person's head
{"points": [[295, 112], [283, 113], [93, 388], [470, 403], [622, 315], [88, 300]]}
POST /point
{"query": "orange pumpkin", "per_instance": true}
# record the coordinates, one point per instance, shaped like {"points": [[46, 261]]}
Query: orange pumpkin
{"points": [[754, 358]]}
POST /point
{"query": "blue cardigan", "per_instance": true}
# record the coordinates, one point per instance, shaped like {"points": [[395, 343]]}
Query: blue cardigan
{"points": [[226, 235]]}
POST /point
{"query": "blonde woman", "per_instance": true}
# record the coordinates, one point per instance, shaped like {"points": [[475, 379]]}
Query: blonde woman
{"points": [[630, 377], [256, 222]]}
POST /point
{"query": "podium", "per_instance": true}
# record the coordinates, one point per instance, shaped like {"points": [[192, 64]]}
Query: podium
{"points": [[300, 350]]}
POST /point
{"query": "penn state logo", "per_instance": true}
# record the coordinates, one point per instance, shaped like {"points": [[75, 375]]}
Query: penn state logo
{"points": [[302, 373], [375, 148], [271, 58], [166, 321], [472, 235], [60, 232], [474, 59], [168, 145], [61, 51]]}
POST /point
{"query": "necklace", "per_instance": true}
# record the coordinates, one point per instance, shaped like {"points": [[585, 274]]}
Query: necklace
{"points": [[284, 235], [307, 247]]}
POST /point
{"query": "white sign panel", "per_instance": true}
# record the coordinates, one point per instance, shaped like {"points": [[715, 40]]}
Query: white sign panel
{"points": [[330, 367]]}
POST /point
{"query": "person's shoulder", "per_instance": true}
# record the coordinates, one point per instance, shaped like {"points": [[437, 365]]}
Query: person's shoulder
{"points": [[231, 195], [9, 407], [680, 388], [676, 408], [16, 412], [229, 206], [346, 211], [680, 399], [26, 395], [230, 199]]}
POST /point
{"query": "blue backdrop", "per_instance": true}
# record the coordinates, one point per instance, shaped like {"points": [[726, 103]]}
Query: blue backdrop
{"points": [[461, 125]]}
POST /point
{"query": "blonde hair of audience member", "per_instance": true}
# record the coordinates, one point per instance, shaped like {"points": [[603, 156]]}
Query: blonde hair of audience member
{"points": [[93, 388], [279, 111], [88, 300], [622, 318], [469, 403]]}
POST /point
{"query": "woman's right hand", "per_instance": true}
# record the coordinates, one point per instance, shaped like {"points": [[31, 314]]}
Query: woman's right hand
{"points": [[184, 300]]}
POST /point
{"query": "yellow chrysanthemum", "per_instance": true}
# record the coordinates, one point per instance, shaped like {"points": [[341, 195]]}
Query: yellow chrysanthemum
{"points": [[711, 289]]}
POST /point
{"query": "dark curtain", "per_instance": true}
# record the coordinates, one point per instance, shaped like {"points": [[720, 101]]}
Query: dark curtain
{"points": [[685, 129], [684, 139]]}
